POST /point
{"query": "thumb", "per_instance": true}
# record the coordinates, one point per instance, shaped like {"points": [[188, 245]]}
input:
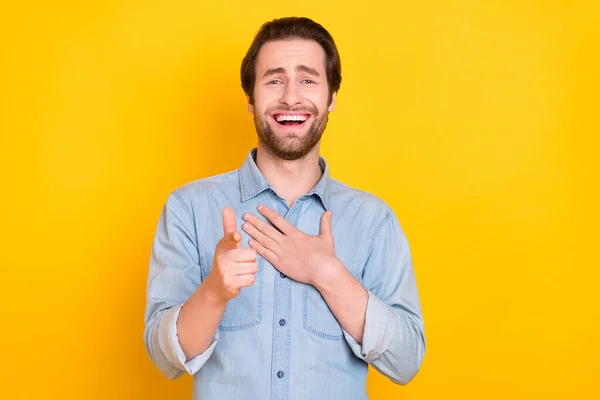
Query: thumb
{"points": [[231, 237], [326, 223]]}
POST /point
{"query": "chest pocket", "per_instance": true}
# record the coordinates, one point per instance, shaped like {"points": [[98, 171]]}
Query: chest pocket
{"points": [[318, 318], [244, 310]]}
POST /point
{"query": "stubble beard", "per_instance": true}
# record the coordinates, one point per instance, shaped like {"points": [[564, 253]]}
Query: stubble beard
{"points": [[290, 148]]}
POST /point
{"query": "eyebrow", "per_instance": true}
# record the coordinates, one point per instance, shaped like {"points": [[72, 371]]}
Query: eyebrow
{"points": [[299, 68]]}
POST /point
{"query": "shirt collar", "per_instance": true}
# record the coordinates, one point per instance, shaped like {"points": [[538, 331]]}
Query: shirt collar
{"points": [[252, 182]]}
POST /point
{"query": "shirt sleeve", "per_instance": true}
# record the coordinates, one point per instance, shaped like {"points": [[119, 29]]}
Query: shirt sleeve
{"points": [[173, 277], [393, 338]]}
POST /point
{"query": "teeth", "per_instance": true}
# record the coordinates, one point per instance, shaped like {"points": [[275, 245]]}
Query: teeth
{"points": [[282, 117]]}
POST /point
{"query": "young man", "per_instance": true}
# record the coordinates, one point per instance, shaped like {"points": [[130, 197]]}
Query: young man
{"points": [[275, 281]]}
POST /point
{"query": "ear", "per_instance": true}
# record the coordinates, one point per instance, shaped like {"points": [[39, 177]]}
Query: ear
{"points": [[250, 106], [332, 105]]}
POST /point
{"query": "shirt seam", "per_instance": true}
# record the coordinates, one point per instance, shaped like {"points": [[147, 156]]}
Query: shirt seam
{"points": [[207, 179], [183, 205], [379, 227], [192, 221]]}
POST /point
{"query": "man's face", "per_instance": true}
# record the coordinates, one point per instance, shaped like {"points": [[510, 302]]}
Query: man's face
{"points": [[290, 97]]}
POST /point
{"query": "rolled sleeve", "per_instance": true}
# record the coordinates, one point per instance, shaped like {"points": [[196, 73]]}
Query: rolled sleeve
{"points": [[174, 275], [169, 344], [380, 328], [393, 336]]}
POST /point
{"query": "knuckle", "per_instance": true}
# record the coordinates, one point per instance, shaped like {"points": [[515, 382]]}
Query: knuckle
{"points": [[228, 281]]}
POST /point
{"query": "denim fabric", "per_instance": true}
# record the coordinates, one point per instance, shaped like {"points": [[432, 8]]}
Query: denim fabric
{"points": [[278, 338]]}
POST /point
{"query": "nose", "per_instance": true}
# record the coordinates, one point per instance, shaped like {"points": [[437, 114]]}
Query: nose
{"points": [[290, 95]]}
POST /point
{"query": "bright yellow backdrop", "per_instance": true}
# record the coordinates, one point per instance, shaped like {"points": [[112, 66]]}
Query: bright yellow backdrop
{"points": [[473, 119]]}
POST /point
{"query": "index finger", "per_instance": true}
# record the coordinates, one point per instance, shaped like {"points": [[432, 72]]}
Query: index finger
{"points": [[229, 224]]}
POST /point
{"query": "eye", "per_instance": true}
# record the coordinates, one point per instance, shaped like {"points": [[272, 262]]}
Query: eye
{"points": [[274, 82], [307, 81]]}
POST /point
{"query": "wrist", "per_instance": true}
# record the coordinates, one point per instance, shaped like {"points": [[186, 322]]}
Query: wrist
{"points": [[328, 274], [209, 295]]}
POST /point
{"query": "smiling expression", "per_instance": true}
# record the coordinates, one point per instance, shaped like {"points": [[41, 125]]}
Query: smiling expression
{"points": [[291, 97]]}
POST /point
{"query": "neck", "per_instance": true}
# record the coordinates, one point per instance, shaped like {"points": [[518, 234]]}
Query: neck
{"points": [[291, 179]]}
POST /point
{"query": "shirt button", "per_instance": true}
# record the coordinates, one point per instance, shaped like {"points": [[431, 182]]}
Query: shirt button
{"points": [[281, 275], [282, 322], [280, 374]]}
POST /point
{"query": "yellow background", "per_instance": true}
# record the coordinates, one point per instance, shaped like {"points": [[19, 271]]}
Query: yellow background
{"points": [[474, 119]]}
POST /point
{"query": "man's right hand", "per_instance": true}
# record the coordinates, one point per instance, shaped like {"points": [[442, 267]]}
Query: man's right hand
{"points": [[233, 266]]}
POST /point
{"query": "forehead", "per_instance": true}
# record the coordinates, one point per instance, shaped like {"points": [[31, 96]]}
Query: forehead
{"points": [[288, 53]]}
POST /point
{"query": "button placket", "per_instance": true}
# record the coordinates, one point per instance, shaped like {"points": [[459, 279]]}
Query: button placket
{"points": [[282, 314]]}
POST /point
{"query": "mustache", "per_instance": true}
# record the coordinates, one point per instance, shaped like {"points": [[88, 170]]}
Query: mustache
{"points": [[308, 110]]}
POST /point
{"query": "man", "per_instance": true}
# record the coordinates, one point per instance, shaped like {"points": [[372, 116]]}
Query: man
{"points": [[275, 281]]}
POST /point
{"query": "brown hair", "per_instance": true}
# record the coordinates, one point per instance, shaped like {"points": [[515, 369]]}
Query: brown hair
{"points": [[291, 28]]}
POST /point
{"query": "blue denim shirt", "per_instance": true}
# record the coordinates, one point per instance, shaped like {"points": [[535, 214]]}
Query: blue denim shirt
{"points": [[278, 339]]}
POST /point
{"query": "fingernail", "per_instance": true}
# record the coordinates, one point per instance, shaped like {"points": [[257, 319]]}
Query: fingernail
{"points": [[260, 207]]}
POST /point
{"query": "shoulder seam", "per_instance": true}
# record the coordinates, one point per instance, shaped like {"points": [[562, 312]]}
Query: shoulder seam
{"points": [[387, 215], [346, 186], [212, 177], [188, 212], [183, 205]]}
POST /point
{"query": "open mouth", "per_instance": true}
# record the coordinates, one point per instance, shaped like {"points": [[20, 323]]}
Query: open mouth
{"points": [[291, 119]]}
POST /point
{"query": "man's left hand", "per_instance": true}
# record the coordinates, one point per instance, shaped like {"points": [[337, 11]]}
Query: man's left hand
{"points": [[304, 258]]}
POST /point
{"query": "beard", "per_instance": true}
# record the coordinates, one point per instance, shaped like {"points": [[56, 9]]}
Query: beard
{"points": [[290, 147]]}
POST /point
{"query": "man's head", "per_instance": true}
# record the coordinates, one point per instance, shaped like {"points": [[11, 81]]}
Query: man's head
{"points": [[291, 75]]}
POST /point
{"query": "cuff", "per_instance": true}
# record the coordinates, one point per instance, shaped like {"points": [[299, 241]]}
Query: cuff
{"points": [[380, 328], [169, 344]]}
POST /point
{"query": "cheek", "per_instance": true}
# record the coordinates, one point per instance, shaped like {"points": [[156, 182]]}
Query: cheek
{"points": [[321, 104], [263, 99], [319, 97]]}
